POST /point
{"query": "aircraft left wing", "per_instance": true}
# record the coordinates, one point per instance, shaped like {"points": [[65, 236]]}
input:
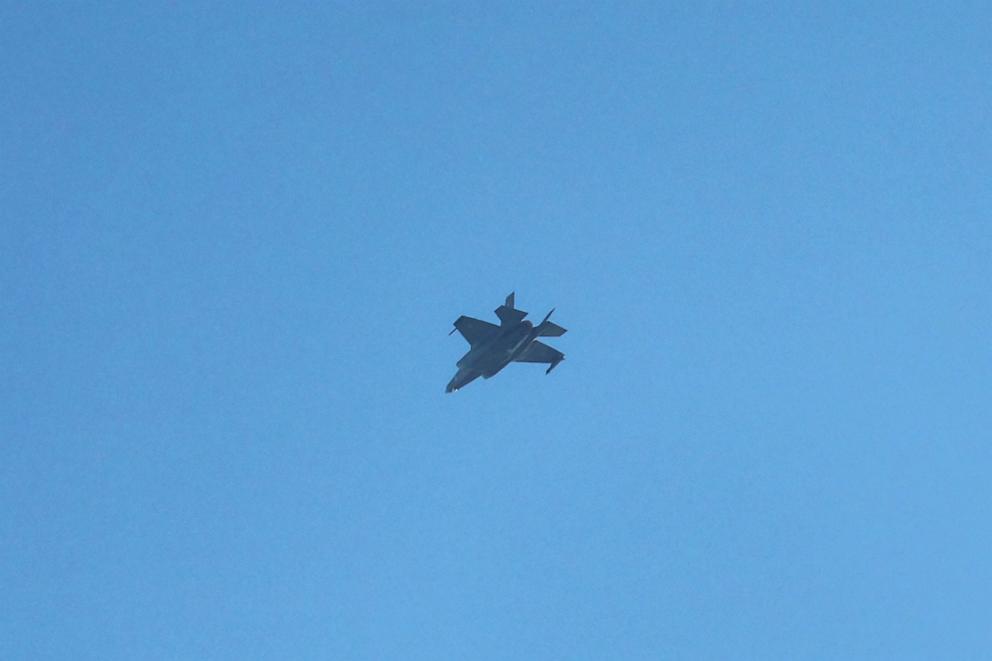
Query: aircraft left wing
{"points": [[474, 330], [538, 352]]}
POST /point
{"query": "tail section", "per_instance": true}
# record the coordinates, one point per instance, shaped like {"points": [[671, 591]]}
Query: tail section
{"points": [[508, 314], [549, 328]]}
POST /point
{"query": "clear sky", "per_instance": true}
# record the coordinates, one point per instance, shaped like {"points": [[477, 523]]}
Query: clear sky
{"points": [[234, 237]]}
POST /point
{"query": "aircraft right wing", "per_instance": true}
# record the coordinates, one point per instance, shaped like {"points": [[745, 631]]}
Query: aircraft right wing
{"points": [[474, 330], [538, 352]]}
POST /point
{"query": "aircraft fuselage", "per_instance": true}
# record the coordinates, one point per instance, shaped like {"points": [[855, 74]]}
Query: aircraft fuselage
{"points": [[490, 357], [494, 347]]}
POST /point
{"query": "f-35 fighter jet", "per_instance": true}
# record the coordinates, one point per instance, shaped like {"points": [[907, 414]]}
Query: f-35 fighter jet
{"points": [[494, 347]]}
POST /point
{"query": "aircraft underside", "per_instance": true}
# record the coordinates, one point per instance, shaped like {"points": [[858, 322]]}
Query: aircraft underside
{"points": [[494, 347]]}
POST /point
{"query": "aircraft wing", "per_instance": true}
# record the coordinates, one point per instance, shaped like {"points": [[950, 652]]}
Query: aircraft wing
{"points": [[539, 352], [475, 330]]}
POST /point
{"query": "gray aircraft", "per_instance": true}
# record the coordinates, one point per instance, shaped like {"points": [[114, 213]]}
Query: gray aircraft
{"points": [[494, 347]]}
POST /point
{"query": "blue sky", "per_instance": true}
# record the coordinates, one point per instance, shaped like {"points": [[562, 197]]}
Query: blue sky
{"points": [[235, 236]]}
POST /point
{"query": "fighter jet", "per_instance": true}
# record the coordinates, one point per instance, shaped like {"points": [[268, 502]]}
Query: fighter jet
{"points": [[494, 347]]}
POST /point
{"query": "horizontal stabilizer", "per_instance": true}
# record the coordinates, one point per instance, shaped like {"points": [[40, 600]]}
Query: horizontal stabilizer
{"points": [[550, 329], [508, 314]]}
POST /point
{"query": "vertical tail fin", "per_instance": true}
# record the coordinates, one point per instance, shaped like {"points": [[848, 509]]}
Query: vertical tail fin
{"points": [[508, 314], [549, 328]]}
